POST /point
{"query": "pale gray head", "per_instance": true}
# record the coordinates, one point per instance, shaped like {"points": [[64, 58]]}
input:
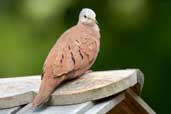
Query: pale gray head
{"points": [[87, 16]]}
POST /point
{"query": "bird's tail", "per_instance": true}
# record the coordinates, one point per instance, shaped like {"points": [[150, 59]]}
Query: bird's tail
{"points": [[40, 99], [46, 89]]}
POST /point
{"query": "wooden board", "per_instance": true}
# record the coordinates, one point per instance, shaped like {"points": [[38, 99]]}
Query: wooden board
{"points": [[106, 105], [9, 110], [126, 102], [17, 91], [70, 109], [132, 104], [92, 86], [91, 107]]}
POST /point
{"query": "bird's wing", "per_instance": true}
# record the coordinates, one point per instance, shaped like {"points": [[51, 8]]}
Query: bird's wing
{"points": [[77, 53]]}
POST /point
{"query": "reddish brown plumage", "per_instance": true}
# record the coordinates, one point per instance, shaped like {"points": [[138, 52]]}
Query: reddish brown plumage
{"points": [[72, 55]]}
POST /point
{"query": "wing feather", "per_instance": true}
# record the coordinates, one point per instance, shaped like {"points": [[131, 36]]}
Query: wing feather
{"points": [[71, 53]]}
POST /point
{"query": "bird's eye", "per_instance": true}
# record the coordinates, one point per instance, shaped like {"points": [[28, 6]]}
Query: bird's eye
{"points": [[85, 16]]}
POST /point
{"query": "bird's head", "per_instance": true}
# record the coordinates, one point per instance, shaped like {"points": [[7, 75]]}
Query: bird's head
{"points": [[87, 16]]}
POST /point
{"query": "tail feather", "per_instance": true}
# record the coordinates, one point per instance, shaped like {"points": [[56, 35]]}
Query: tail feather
{"points": [[46, 89], [40, 100]]}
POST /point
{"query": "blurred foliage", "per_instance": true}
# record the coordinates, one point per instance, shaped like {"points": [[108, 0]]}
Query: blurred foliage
{"points": [[134, 34]]}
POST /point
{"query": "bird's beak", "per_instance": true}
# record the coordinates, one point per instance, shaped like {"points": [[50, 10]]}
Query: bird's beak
{"points": [[94, 20]]}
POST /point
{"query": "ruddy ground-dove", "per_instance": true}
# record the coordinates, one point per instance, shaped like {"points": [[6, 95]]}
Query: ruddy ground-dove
{"points": [[72, 55]]}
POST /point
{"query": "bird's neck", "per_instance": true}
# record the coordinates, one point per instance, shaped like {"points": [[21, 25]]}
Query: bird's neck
{"points": [[91, 28]]}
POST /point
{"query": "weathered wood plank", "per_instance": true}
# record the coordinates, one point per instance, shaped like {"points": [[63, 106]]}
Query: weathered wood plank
{"points": [[93, 107], [18, 85], [17, 91], [9, 110], [69, 109], [138, 104], [92, 86], [133, 104], [105, 106]]}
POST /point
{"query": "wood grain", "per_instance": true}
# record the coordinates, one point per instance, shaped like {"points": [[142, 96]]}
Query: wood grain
{"points": [[91, 86], [132, 104]]}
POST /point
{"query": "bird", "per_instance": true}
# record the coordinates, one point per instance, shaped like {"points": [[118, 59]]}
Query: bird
{"points": [[72, 55]]}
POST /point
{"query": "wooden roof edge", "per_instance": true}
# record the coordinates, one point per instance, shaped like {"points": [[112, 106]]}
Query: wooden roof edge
{"points": [[96, 83], [137, 88]]}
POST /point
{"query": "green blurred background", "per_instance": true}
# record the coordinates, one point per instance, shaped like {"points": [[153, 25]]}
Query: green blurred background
{"points": [[134, 34]]}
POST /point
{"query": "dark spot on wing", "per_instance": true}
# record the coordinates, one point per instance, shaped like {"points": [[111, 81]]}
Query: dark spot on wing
{"points": [[91, 61], [72, 57], [77, 41], [87, 54], [82, 57], [69, 48], [62, 58]]}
